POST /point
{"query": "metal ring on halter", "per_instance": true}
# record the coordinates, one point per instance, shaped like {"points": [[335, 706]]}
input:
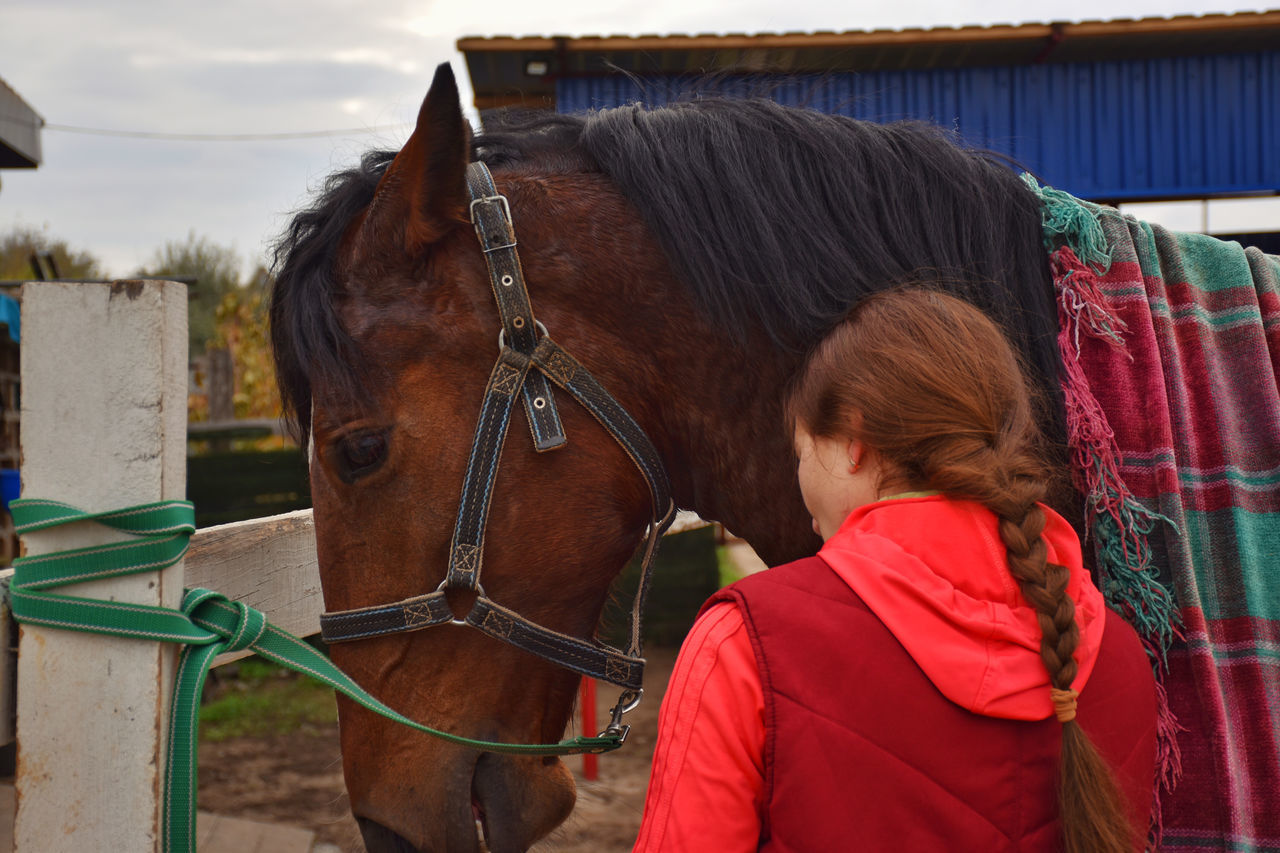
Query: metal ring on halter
{"points": [[502, 334], [479, 591]]}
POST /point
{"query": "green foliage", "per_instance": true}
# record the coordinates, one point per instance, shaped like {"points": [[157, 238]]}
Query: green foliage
{"points": [[255, 698], [728, 569], [242, 328], [216, 270], [17, 247]]}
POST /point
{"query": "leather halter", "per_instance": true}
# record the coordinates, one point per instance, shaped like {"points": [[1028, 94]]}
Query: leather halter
{"points": [[527, 359]]}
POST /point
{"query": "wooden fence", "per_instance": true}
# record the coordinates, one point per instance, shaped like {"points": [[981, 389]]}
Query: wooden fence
{"points": [[104, 378]]}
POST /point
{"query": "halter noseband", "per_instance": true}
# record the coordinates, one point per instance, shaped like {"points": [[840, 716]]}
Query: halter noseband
{"points": [[527, 359]]}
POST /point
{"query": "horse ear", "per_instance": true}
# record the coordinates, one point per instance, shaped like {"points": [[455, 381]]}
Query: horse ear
{"points": [[427, 183]]}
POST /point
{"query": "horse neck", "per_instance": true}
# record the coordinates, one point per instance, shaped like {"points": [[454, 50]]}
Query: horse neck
{"points": [[728, 424], [711, 405]]}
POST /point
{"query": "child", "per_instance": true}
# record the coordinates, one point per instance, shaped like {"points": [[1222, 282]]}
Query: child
{"points": [[943, 674]]}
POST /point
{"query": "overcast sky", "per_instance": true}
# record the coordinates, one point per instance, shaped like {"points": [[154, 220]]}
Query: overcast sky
{"points": [[268, 66]]}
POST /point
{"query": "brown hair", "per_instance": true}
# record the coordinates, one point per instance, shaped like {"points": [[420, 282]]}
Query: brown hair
{"points": [[931, 385]]}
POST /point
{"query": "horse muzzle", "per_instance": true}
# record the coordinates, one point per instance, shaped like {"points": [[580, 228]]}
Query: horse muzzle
{"points": [[510, 804]]}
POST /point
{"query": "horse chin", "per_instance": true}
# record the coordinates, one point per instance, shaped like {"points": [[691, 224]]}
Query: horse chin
{"points": [[380, 839], [516, 808], [513, 803]]}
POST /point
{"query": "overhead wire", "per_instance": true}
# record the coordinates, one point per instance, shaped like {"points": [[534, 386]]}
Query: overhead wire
{"points": [[223, 137], [215, 137]]}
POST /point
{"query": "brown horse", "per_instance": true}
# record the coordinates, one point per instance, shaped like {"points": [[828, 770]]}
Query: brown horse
{"points": [[686, 257]]}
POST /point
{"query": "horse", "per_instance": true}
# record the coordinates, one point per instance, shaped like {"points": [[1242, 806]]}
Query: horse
{"points": [[687, 258]]}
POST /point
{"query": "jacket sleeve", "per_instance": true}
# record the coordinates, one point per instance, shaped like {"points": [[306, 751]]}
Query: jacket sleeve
{"points": [[707, 784]]}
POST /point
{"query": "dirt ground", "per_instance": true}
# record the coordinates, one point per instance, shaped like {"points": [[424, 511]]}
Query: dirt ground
{"points": [[297, 779]]}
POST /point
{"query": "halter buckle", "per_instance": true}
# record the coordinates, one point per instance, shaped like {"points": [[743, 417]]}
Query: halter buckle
{"points": [[506, 207]]}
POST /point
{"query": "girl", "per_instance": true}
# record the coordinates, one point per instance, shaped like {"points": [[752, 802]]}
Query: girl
{"points": [[943, 674]]}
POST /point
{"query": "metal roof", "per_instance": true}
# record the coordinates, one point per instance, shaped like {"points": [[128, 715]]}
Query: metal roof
{"points": [[499, 65], [19, 131], [1120, 130]]}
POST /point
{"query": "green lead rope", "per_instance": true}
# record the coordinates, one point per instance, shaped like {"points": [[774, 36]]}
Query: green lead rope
{"points": [[208, 623]]}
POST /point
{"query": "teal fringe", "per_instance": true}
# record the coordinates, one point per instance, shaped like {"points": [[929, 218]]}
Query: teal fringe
{"points": [[1067, 219], [1129, 581]]}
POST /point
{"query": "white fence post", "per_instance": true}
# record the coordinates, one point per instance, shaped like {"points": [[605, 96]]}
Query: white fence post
{"points": [[104, 390]]}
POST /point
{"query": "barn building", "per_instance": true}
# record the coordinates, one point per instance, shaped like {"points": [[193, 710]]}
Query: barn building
{"points": [[1155, 109], [19, 131]]}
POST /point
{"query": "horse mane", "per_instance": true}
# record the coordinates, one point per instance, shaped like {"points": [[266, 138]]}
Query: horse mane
{"points": [[308, 340], [782, 219], [776, 218]]}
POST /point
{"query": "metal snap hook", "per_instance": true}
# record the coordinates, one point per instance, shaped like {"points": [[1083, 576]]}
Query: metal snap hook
{"points": [[631, 698], [626, 702]]}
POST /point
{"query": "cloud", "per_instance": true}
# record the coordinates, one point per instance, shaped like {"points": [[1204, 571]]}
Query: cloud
{"points": [[236, 66]]}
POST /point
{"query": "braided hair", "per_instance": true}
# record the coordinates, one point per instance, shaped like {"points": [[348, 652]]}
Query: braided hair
{"points": [[931, 385]]}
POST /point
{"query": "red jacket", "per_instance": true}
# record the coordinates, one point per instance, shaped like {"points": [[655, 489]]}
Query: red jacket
{"points": [[851, 745]]}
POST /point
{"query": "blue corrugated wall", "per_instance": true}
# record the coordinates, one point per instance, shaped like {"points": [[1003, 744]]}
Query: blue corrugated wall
{"points": [[1119, 130]]}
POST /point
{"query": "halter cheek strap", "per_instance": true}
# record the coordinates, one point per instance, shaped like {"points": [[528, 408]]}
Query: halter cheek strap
{"points": [[528, 362]]}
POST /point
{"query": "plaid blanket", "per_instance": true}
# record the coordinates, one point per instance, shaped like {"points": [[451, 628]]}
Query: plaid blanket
{"points": [[1171, 345]]}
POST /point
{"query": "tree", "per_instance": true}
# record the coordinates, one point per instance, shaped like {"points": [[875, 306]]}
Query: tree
{"points": [[17, 247], [216, 270], [241, 329]]}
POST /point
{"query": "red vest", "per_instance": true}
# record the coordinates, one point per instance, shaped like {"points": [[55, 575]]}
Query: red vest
{"points": [[863, 753]]}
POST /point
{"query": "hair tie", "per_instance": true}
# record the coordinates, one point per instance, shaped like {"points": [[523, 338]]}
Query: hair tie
{"points": [[1064, 703]]}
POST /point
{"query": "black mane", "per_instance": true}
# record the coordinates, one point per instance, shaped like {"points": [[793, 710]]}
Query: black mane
{"points": [[776, 218], [783, 218], [308, 342]]}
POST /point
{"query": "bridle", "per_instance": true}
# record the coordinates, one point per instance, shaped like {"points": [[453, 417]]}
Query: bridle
{"points": [[527, 359]]}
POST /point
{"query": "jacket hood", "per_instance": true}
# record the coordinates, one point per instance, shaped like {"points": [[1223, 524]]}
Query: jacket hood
{"points": [[935, 572]]}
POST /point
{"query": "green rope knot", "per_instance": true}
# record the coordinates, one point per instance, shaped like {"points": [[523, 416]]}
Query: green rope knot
{"points": [[208, 609]]}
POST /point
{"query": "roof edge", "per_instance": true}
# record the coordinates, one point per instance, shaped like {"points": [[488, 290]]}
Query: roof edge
{"points": [[1216, 22]]}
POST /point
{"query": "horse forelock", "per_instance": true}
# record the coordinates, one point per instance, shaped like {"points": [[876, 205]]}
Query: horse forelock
{"points": [[309, 344]]}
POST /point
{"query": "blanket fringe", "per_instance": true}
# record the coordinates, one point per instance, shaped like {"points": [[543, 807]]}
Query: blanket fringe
{"points": [[1067, 219], [1119, 524]]}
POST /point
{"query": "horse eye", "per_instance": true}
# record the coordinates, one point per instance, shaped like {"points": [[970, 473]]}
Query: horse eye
{"points": [[360, 453]]}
